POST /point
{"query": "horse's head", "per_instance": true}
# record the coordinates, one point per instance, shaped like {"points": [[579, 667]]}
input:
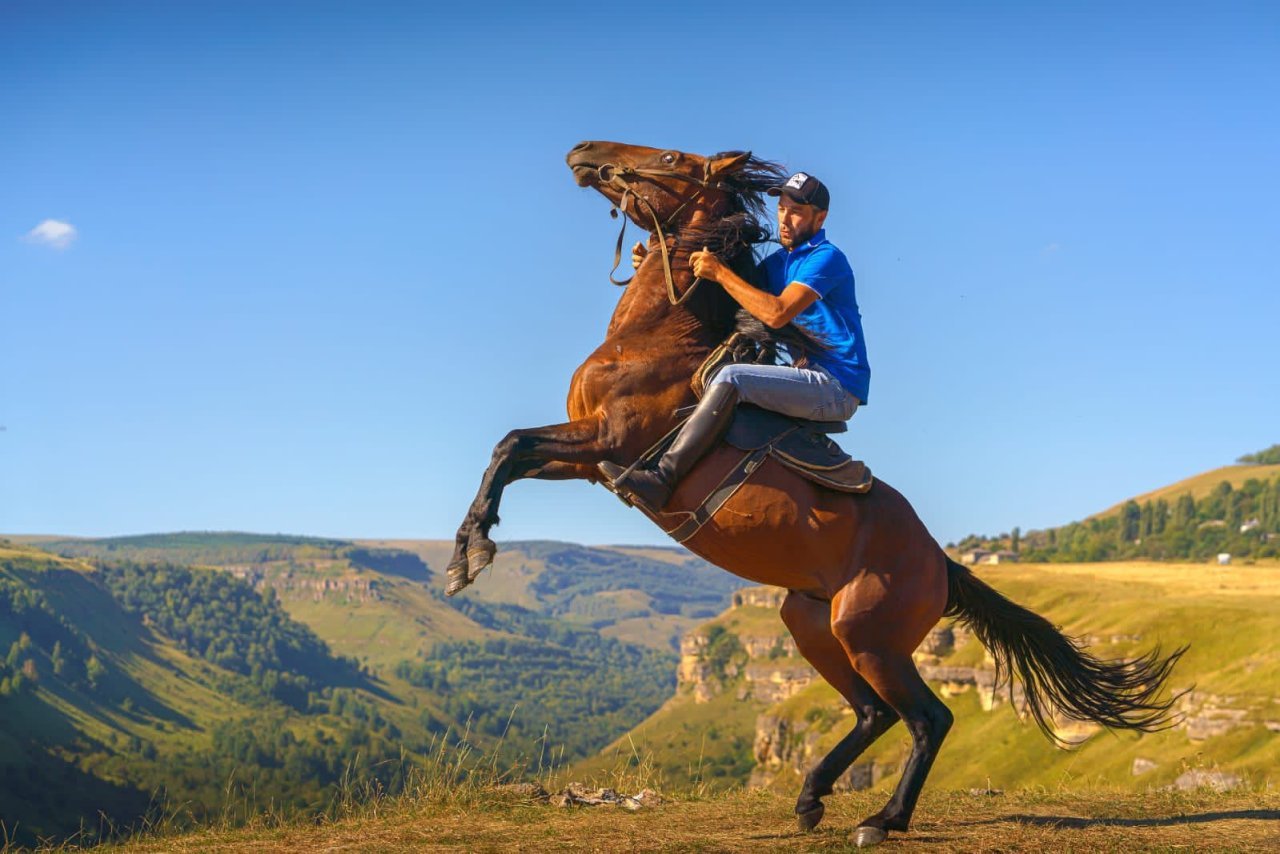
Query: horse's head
{"points": [[673, 187]]}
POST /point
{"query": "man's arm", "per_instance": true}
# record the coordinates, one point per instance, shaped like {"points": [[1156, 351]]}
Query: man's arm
{"points": [[774, 312]]}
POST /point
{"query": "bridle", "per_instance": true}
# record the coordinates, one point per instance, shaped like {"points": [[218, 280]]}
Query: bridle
{"points": [[621, 178]]}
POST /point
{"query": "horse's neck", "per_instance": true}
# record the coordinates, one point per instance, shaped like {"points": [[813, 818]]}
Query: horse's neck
{"points": [[645, 304]]}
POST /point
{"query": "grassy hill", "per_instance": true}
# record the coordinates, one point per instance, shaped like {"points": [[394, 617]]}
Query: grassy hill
{"points": [[646, 595], [1233, 510], [1229, 616], [404, 665], [1201, 485], [641, 595], [100, 709]]}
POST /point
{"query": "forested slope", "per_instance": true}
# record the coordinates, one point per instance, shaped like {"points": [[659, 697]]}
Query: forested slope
{"points": [[204, 665]]}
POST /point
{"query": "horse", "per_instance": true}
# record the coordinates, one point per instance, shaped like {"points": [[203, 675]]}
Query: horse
{"points": [[866, 581]]}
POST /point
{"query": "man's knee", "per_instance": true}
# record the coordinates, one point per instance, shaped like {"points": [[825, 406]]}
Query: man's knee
{"points": [[730, 374]]}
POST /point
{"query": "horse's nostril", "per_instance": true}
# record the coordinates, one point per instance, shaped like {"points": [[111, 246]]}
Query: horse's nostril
{"points": [[582, 146]]}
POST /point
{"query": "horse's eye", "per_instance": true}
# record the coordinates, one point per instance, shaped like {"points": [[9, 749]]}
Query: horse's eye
{"points": [[668, 157]]}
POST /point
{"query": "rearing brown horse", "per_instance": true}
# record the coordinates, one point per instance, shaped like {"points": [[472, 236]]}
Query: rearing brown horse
{"points": [[867, 582]]}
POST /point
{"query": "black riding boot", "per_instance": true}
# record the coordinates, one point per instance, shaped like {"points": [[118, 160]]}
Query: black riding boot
{"points": [[705, 427]]}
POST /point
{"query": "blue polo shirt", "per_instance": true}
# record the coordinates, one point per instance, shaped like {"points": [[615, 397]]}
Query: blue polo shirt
{"points": [[834, 317]]}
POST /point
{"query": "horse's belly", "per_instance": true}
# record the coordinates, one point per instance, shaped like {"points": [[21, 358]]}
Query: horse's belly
{"points": [[777, 528]]}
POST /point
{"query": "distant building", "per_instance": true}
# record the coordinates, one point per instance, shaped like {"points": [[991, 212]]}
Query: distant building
{"points": [[1249, 526], [1224, 559], [1001, 557], [974, 556]]}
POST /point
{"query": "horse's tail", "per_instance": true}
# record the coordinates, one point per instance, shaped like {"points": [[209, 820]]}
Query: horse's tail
{"points": [[1055, 670]]}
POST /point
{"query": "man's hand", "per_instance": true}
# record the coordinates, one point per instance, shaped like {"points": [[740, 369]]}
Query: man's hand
{"points": [[638, 253], [707, 266]]}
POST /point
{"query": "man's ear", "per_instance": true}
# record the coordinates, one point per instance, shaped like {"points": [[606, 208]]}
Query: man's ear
{"points": [[820, 219], [728, 163]]}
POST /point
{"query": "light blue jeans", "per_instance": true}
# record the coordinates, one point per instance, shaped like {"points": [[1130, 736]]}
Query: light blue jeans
{"points": [[799, 392]]}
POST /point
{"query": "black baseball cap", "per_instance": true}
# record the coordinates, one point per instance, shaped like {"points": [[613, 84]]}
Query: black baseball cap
{"points": [[805, 189]]}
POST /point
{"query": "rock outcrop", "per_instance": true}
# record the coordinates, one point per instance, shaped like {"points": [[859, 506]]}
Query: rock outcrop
{"points": [[764, 667], [785, 745], [350, 586]]}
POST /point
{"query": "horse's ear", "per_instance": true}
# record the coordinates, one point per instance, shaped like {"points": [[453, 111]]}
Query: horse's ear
{"points": [[728, 163]]}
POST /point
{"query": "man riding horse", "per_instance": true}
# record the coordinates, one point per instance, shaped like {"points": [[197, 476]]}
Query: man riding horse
{"points": [[809, 283], [865, 579]]}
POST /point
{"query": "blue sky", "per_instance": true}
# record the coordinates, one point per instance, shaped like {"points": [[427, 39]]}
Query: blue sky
{"points": [[325, 255]]}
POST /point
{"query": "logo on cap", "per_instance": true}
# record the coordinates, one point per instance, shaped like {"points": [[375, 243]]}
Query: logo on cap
{"points": [[797, 181]]}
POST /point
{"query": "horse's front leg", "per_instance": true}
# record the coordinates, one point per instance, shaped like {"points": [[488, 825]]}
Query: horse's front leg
{"points": [[559, 452]]}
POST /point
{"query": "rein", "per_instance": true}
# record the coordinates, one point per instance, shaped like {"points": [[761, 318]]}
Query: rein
{"points": [[621, 178]]}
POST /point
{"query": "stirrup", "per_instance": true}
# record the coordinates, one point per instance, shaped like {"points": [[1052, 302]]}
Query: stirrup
{"points": [[611, 472], [615, 474]]}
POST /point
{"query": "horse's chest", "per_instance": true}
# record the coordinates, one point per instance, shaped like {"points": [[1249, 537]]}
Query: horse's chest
{"points": [[618, 375]]}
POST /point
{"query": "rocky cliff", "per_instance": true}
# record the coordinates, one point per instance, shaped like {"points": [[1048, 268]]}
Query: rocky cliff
{"points": [[339, 582], [746, 654], [746, 651]]}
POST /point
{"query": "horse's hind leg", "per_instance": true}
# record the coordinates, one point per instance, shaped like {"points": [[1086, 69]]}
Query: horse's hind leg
{"points": [[809, 621], [893, 676]]}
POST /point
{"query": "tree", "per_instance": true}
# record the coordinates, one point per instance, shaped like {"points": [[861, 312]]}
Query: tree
{"points": [[1130, 522], [21, 645], [1015, 539], [1235, 510], [95, 671], [1161, 516], [1184, 512], [1269, 457]]}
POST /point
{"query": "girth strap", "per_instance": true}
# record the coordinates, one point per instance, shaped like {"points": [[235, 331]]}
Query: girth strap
{"points": [[719, 496]]}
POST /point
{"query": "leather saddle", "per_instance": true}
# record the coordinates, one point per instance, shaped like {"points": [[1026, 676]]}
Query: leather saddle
{"points": [[801, 445]]}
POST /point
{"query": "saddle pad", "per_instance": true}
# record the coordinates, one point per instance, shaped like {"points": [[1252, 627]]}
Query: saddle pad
{"points": [[850, 476]]}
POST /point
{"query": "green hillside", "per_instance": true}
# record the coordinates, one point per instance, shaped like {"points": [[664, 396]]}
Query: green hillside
{"points": [[647, 595], [1231, 725], [101, 707], [1231, 510], [1201, 485], [178, 663]]}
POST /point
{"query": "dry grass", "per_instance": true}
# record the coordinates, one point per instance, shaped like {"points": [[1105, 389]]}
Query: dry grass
{"points": [[755, 821]]}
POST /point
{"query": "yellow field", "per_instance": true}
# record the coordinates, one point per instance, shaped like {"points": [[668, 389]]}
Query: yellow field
{"points": [[1241, 579]]}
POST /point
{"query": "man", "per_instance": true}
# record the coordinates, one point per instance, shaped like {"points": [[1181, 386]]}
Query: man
{"points": [[809, 282]]}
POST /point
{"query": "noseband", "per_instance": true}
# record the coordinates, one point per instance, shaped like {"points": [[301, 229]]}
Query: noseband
{"points": [[621, 178]]}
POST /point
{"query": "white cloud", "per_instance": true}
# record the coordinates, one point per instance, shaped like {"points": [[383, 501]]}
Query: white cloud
{"points": [[52, 232], [1052, 248]]}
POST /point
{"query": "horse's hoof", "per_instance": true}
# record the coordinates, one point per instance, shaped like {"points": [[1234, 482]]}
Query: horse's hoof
{"points": [[808, 820], [866, 836], [458, 579], [479, 556]]}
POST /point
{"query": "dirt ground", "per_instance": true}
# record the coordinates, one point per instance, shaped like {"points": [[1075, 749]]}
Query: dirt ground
{"points": [[762, 821]]}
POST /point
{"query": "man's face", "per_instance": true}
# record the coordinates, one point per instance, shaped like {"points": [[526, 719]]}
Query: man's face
{"points": [[797, 222]]}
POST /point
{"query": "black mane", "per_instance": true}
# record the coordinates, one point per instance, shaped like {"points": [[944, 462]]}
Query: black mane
{"points": [[735, 236], [744, 226]]}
